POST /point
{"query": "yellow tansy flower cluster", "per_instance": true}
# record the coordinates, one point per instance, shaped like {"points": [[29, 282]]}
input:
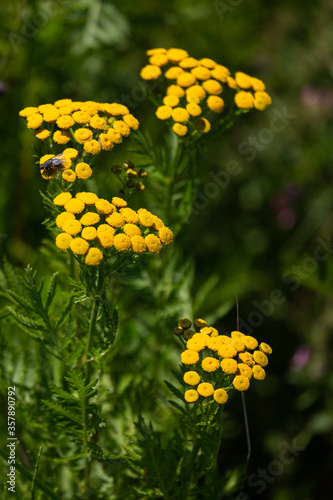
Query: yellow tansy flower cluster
{"points": [[219, 363], [85, 127], [90, 226], [194, 88]]}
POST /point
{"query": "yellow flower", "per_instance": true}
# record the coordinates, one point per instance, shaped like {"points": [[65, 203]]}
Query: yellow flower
{"points": [[89, 219], [192, 99], [214, 343], [79, 246], [186, 79], [220, 73], [191, 378], [175, 90], [83, 170], [159, 60], [132, 230], [225, 339], [231, 82], [115, 219], [203, 125], [61, 136], [214, 332], [31, 110], [164, 112], [205, 389], [146, 218], [165, 235], [43, 108], [208, 63], [193, 109], [151, 52], [63, 102], [199, 323], [104, 207], [82, 135], [131, 121], [238, 344], [92, 147], [65, 121], [116, 109], [171, 101], [250, 342], [189, 63], [68, 175], [138, 244], [129, 215], [150, 72], [201, 73], [62, 198], [158, 223], [257, 84], [246, 358], [237, 335], [81, 117], [173, 73], [98, 122], [89, 233], [206, 330], [63, 241], [258, 372], [220, 396], [90, 107], [87, 198], [93, 257], [65, 110], [74, 206], [197, 91], [70, 153], [42, 134], [197, 343], [153, 244], [122, 128], [210, 364], [176, 55], [34, 121], [262, 100], [215, 103], [243, 80], [245, 370], [229, 366], [72, 226], [265, 348], [244, 100], [180, 115], [122, 242], [189, 357], [241, 383], [105, 235], [63, 217], [179, 129], [106, 142], [115, 136], [51, 115], [119, 202], [227, 351], [191, 396], [260, 358], [212, 87]]}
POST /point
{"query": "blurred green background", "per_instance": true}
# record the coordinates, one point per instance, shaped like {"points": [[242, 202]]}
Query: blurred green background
{"points": [[263, 235]]}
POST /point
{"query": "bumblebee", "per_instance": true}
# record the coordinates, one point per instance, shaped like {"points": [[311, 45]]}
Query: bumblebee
{"points": [[54, 162]]}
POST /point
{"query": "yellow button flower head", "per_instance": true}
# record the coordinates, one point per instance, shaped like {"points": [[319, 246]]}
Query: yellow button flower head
{"points": [[262, 100], [93, 147], [179, 129], [208, 63], [150, 72], [186, 79], [189, 357], [122, 128], [164, 112], [131, 230], [68, 175], [138, 244], [64, 216], [257, 84], [220, 396], [74, 206], [42, 134], [203, 125], [215, 103], [83, 135], [166, 235], [98, 122], [131, 121], [197, 343], [158, 223], [72, 226], [199, 323], [105, 235], [65, 121], [63, 102], [51, 115], [214, 343], [250, 342], [246, 358], [115, 136], [205, 389], [145, 217], [93, 257], [104, 207], [83, 170], [106, 142], [189, 63], [193, 109], [191, 396], [31, 110], [201, 73], [229, 365], [244, 100], [63, 241], [237, 335], [180, 115], [197, 91], [221, 73], [245, 370], [119, 202], [173, 73], [129, 215], [151, 52], [212, 87], [171, 101], [176, 55], [70, 153], [265, 348], [87, 198], [43, 108], [65, 110], [61, 137], [231, 82], [175, 90], [227, 351], [81, 117], [159, 60], [115, 219], [116, 109], [89, 219], [243, 80], [89, 233], [62, 198], [122, 242], [191, 378], [79, 246], [210, 364], [241, 383], [34, 121], [153, 244], [90, 107], [260, 358], [258, 372], [238, 344]]}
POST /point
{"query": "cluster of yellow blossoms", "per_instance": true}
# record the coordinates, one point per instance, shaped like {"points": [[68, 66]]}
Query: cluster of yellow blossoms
{"points": [[219, 363], [194, 88], [91, 225], [89, 126]]}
